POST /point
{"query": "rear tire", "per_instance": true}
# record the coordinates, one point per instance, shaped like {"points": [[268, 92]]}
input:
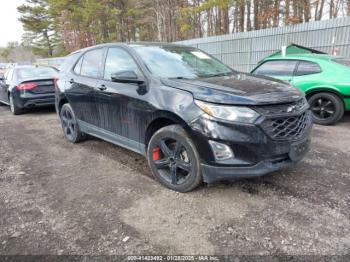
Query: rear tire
{"points": [[15, 109], [70, 125], [327, 108], [174, 160]]}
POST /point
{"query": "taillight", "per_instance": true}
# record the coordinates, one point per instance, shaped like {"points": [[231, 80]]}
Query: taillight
{"points": [[26, 86]]}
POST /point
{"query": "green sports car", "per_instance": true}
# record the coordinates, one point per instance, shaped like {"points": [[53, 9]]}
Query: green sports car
{"points": [[324, 79]]}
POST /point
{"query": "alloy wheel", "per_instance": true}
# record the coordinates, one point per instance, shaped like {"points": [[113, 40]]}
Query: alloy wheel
{"points": [[68, 123], [172, 161], [323, 108]]}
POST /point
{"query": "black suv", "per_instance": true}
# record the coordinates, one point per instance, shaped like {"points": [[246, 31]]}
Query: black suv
{"points": [[194, 118]]}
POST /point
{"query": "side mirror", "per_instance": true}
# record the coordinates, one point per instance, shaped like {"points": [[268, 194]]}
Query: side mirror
{"points": [[126, 77]]}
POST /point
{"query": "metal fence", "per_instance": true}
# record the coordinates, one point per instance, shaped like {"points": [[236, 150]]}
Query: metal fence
{"points": [[243, 51]]}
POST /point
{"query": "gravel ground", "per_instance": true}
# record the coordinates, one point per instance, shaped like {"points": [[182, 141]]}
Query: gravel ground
{"points": [[97, 198]]}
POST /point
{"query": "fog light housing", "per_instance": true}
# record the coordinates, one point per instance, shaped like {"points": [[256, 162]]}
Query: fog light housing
{"points": [[221, 151]]}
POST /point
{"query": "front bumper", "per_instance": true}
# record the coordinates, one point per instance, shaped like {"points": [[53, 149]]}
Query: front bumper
{"points": [[216, 173], [255, 153]]}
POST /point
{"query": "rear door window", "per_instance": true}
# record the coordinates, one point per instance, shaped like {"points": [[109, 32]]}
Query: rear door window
{"points": [[92, 63], [277, 68], [307, 68]]}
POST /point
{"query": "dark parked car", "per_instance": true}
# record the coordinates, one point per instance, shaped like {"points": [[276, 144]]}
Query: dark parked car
{"points": [[2, 69], [194, 118], [24, 87]]}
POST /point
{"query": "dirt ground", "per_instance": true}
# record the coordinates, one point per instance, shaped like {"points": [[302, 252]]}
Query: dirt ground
{"points": [[97, 198]]}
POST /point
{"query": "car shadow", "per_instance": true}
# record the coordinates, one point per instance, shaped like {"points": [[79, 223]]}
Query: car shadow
{"points": [[139, 164], [277, 181], [41, 110], [346, 117]]}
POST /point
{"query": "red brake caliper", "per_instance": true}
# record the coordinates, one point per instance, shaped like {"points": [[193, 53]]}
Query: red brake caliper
{"points": [[156, 154]]}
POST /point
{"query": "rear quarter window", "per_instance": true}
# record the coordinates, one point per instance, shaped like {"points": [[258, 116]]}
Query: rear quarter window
{"points": [[69, 61], [307, 68], [342, 61], [277, 68]]}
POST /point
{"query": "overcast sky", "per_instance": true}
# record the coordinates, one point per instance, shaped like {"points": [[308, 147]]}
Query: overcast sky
{"points": [[10, 28]]}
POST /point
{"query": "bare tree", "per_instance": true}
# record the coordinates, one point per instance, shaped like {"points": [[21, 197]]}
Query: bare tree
{"points": [[249, 21], [319, 9], [256, 15], [276, 8]]}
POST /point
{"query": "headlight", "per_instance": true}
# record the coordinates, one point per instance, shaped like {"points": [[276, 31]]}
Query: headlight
{"points": [[229, 113]]}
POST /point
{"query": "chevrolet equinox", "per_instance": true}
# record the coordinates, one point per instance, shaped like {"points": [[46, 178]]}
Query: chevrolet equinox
{"points": [[194, 119]]}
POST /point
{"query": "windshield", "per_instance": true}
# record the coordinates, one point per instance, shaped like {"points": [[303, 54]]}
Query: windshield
{"points": [[36, 72], [342, 61], [180, 62]]}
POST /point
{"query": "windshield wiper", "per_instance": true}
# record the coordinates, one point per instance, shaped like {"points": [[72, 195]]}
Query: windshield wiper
{"points": [[217, 75], [181, 77]]}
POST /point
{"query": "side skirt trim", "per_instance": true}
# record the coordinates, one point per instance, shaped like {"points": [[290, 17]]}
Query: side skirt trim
{"points": [[112, 137]]}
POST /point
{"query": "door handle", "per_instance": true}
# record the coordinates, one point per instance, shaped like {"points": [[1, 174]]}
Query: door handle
{"points": [[102, 87], [71, 81]]}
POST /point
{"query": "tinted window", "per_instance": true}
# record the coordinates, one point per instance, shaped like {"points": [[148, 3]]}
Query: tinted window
{"points": [[92, 62], [342, 61], [35, 72], [277, 68], [307, 68], [77, 68], [68, 62], [180, 61], [118, 60]]}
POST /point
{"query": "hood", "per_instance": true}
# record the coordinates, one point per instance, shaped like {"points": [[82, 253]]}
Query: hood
{"points": [[238, 89]]}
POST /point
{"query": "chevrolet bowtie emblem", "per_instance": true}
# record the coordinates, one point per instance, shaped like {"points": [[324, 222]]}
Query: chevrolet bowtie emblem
{"points": [[291, 109]]}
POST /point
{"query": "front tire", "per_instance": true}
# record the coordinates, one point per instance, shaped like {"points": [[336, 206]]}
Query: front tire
{"points": [[70, 125], [327, 108], [174, 160], [15, 109]]}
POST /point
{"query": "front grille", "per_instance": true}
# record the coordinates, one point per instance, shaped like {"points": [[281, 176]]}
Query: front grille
{"points": [[288, 127]]}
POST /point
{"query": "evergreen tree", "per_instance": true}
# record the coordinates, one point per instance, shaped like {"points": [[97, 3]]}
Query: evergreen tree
{"points": [[38, 26]]}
